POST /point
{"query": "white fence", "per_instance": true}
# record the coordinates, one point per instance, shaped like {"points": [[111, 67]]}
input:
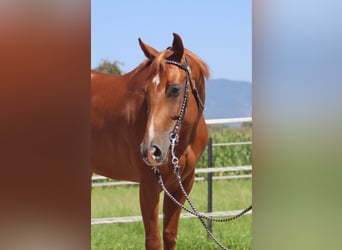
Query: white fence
{"points": [[98, 221], [228, 120], [109, 182]]}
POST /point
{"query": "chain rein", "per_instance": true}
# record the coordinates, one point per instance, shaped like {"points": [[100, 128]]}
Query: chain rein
{"points": [[195, 213], [174, 139]]}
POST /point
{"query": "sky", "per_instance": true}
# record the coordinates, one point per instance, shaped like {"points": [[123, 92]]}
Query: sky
{"points": [[220, 32]]}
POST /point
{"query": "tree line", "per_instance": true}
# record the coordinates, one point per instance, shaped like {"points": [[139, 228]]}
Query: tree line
{"points": [[109, 67]]}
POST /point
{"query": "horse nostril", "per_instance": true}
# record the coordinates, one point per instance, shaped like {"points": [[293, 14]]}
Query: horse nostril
{"points": [[157, 152]]}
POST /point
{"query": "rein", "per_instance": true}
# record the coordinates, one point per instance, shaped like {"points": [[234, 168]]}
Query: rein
{"points": [[174, 136]]}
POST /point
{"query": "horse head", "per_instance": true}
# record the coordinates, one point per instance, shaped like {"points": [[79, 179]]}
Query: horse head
{"points": [[174, 93]]}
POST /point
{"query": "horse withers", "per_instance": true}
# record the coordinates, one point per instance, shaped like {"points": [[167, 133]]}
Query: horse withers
{"points": [[132, 118]]}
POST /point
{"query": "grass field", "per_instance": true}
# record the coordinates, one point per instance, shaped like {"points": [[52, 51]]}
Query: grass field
{"points": [[124, 201]]}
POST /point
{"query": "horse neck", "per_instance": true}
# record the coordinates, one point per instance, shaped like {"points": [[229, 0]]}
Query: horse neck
{"points": [[189, 132]]}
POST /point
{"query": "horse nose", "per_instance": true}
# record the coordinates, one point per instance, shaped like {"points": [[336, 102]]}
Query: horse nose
{"points": [[152, 155]]}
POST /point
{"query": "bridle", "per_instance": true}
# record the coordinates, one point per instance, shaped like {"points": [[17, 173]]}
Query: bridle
{"points": [[174, 135], [188, 83]]}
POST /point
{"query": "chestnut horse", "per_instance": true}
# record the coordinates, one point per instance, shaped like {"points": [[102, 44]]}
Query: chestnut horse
{"points": [[133, 116]]}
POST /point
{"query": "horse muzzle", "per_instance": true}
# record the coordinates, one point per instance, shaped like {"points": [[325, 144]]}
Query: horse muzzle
{"points": [[153, 155]]}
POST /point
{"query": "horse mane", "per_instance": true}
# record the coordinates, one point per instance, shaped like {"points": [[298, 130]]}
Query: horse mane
{"points": [[202, 66]]}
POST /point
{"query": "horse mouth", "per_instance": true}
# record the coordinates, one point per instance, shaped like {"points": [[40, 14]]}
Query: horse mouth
{"points": [[154, 161]]}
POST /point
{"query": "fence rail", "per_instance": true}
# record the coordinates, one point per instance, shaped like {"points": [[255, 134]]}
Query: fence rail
{"points": [[228, 120], [197, 171], [231, 143], [98, 221]]}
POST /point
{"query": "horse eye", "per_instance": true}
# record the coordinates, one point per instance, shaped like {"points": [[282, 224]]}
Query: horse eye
{"points": [[173, 90]]}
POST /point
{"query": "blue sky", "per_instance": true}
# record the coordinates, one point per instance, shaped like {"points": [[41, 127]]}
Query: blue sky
{"points": [[220, 32]]}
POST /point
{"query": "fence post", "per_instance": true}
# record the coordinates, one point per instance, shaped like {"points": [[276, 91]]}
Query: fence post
{"points": [[210, 182]]}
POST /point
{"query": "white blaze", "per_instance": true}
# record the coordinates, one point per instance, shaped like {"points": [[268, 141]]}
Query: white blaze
{"points": [[156, 79], [151, 131]]}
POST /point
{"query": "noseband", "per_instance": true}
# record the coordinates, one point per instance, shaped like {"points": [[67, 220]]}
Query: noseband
{"points": [[180, 117]]}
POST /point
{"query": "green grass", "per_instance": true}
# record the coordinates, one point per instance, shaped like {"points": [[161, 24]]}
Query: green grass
{"points": [[227, 195], [124, 201]]}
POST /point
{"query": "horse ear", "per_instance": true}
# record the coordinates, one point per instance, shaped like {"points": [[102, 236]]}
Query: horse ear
{"points": [[177, 48], [149, 52]]}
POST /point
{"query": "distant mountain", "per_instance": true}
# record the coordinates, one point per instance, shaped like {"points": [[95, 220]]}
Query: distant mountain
{"points": [[228, 99]]}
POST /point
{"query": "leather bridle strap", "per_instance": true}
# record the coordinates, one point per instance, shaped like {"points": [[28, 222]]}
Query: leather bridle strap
{"points": [[179, 119], [187, 69]]}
